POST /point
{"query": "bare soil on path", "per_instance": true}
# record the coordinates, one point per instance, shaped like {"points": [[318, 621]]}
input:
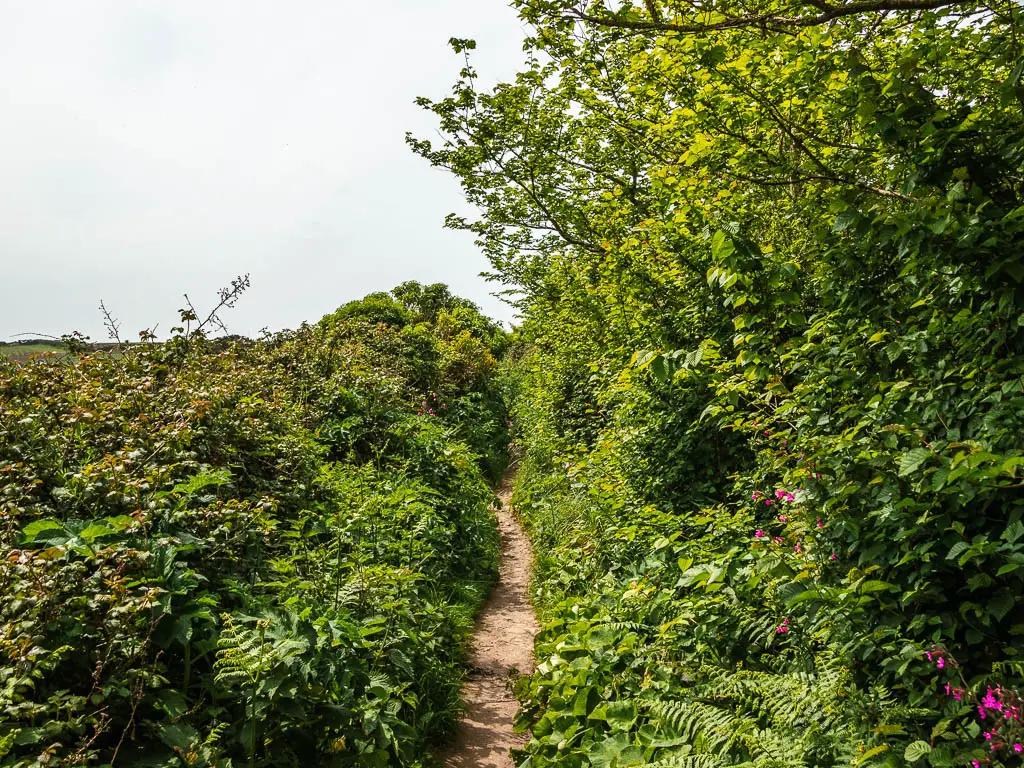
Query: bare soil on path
{"points": [[502, 646]]}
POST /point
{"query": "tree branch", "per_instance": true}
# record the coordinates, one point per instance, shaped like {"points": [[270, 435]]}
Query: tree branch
{"points": [[765, 20]]}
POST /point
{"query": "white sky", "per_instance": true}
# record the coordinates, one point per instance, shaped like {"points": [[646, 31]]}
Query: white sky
{"points": [[148, 149]]}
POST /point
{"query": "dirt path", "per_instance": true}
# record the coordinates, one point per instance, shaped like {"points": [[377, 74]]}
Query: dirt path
{"points": [[502, 644]]}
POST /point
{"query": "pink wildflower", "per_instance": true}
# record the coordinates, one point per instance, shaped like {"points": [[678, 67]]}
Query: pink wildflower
{"points": [[783, 518], [789, 497], [1018, 748], [778, 539], [767, 502], [988, 736], [928, 654], [758, 533], [833, 557], [991, 702], [779, 493], [940, 663], [981, 712]]}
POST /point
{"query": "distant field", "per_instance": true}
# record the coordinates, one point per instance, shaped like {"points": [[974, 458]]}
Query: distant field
{"points": [[25, 351]]}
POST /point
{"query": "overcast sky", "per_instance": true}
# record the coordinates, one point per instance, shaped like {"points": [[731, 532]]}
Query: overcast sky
{"points": [[148, 149]]}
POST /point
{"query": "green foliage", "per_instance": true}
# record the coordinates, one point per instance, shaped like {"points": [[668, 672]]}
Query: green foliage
{"points": [[258, 553], [768, 385]]}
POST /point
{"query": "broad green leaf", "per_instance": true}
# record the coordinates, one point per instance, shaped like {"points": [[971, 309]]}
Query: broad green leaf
{"points": [[912, 460], [916, 750], [31, 531], [1013, 532]]}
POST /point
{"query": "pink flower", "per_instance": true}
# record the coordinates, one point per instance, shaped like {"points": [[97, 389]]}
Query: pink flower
{"points": [[940, 663], [833, 557], [779, 493], [1018, 748], [975, 764], [778, 539], [767, 502], [754, 495], [796, 547], [783, 518], [981, 712], [789, 497], [991, 702], [758, 534], [928, 654], [988, 736]]}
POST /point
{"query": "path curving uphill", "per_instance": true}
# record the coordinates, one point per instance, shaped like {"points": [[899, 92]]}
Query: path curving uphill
{"points": [[502, 645]]}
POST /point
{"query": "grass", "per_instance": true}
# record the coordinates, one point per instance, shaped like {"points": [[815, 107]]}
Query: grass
{"points": [[20, 352]]}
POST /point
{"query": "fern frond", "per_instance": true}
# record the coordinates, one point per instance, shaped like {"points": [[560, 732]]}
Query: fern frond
{"points": [[688, 761]]}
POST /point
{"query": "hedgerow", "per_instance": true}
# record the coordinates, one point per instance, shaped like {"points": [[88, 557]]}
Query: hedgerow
{"points": [[260, 553], [768, 384]]}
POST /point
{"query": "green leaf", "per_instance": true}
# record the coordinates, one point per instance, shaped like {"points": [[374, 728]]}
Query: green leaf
{"points": [[1001, 604], [620, 714], [845, 220], [95, 531], [871, 753], [803, 597], [1013, 532], [916, 751], [660, 368], [912, 460], [874, 586], [722, 245], [31, 531], [956, 549]]}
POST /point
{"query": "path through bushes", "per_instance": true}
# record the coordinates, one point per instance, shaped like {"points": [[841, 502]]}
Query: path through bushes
{"points": [[502, 646]]}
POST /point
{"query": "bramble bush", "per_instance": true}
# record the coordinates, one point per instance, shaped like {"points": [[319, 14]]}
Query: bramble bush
{"points": [[253, 553]]}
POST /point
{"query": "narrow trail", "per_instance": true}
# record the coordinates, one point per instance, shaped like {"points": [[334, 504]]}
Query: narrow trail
{"points": [[502, 645]]}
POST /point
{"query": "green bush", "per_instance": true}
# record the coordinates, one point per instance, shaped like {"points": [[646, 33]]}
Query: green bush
{"points": [[258, 554], [768, 383]]}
